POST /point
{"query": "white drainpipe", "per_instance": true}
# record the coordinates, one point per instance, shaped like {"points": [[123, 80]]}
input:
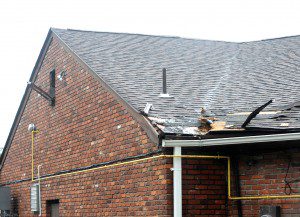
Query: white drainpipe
{"points": [[40, 196], [177, 144], [177, 183]]}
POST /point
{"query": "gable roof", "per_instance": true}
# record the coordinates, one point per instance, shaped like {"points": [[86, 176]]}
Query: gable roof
{"points": [[226, 79]]}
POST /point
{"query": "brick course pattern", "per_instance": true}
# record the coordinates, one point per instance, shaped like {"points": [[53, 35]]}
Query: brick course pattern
{"points": [[86, 126], [264, 174], [204, 187]]}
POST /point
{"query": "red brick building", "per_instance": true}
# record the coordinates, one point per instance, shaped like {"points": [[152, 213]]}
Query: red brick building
{"points": [[138, 125]]}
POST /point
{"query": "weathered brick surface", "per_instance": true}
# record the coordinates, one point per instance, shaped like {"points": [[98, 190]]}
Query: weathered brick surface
{"points": [[107, 192], [266, 177], [86, 126], [204, 186], [89, 126]]}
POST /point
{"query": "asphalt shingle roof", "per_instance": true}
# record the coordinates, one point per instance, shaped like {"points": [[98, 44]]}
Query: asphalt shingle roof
{"points": [[222, 77]]}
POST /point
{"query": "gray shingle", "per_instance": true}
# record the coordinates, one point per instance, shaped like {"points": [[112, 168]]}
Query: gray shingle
{"points": [[222, 77]]}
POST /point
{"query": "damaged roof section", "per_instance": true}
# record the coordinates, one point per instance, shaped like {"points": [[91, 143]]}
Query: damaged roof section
{"points": [[287, 119], [183, 125], [227, 80]]}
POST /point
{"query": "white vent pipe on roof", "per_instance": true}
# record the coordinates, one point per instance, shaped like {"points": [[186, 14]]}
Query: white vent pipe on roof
{"points": [[164, 93]]}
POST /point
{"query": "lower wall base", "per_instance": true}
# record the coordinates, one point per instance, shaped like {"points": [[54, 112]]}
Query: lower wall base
{"points": [[135, 190]]}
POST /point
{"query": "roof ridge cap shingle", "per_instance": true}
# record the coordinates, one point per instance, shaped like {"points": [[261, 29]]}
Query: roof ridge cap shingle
{"points": [[140, 34], [175, 37], [271, 39]]}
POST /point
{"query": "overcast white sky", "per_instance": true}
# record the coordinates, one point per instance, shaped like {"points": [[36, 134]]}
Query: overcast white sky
{"points": [[25, 23]]}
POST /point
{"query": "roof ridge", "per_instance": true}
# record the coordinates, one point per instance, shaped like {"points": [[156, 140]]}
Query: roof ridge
{"points": [[125, 33], [176, 37], [140, 34], [270, 39], [282, 37]]}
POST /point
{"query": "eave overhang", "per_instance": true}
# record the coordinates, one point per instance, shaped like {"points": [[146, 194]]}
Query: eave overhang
{"points": [[231, 140]]}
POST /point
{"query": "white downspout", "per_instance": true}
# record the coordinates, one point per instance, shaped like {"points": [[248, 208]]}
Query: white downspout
{"points": [[40, 196], [177, 183]]}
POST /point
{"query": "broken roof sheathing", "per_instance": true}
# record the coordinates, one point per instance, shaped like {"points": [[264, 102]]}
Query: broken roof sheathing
{"points": [[229, 80]]}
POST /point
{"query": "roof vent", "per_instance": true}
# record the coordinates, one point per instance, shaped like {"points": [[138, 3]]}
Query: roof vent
{"points": [[147, 108], [164, 94]]}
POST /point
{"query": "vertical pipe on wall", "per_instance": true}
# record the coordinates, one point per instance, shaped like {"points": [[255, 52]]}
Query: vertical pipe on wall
{"points": [[33, 132], [177, 182], [32, 155], [238, 186], [40, 196]]}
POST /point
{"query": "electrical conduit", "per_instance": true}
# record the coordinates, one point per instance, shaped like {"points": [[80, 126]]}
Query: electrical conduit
{"points": [[165, 156]]}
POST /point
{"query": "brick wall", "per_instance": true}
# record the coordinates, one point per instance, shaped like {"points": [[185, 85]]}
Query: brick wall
{"points": [[264, 174], [204, 187], [108, 192], [86, 126]]}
